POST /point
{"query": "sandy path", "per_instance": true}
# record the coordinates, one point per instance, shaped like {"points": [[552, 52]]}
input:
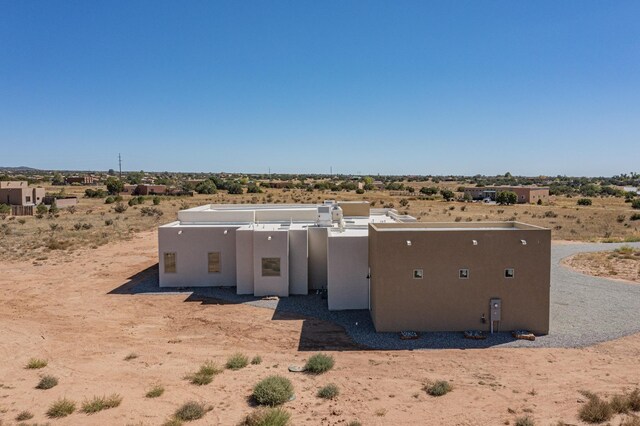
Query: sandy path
{"points": [[62, 311]]}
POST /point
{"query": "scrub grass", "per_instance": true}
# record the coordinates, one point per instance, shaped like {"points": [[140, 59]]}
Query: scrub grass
{"points": [[596, 410], [191, 410], [61, 408], [272, 391], [155, 392], [524, 421], [99, 403], [267, 417], [47, 382], [329, 391], [256, 360], [237, 361], [205, 374], [24, 415], [437, 388], [131, 356], [35, 363], [319, 363]]}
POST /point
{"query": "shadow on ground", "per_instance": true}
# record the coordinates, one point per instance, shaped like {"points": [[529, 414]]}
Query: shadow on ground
{"points": [[321, 329]]}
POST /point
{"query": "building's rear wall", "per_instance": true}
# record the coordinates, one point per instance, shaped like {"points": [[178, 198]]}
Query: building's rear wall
{"points": [[443, 302], [348, 266]]}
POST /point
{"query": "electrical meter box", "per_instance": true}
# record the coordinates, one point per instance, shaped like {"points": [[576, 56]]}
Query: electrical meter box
{"points": [[496, 309]]}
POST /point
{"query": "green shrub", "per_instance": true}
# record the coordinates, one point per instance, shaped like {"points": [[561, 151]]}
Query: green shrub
{"points": [[619, 404], [272, 391], [173, 422], [190, 411], [109, 200], [524, 421], [635, 216], [256, 360], [633, 400], [635, 204], [267, 417], [584, 202], [5, 208], [438, 388], [359, 191], [47, 382], [329, 391], [319, 363], [61, 408], [155, 392], [24, 415], [354, 423], [156, 200], [205, 374], [99, 403], [120, 208], [237, 361], [35, 363], [595, 410]]}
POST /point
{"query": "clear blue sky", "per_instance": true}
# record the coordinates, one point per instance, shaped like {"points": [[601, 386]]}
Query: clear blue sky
{"points": [[406, 87]]}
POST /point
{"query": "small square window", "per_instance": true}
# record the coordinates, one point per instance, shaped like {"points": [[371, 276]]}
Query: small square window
{"points": [[463, 274], [214, 261], [418, 274], [509, 273], [270, 266], [169, 263]]}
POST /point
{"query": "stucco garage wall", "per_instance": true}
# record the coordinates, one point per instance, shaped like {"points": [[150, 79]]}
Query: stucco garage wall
{"points": [[441, 301], [192, 248], [278, 246], [347, 269], [298, 262], [244, 260]]}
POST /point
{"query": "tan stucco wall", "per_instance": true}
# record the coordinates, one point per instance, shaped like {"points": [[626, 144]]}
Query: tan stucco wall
{"points": [[355, 208], [278, 246], [347, 269], [298, 262], [317, 258], [443, 302], [192, 248]]}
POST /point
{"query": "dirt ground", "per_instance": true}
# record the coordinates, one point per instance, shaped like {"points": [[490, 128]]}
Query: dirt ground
{"points": [[76, 311], [617, 264]]}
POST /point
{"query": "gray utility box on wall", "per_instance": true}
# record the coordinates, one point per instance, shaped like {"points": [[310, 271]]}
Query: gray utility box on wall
{"points": [[496, 309]]}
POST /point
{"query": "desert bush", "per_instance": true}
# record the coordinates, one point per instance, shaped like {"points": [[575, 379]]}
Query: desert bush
{"points": [[635, 216], [631, 421], [319, 363], [437, 388], [584, 202], [237, 361], [94, 193], [506, 197], [130, 356], [267, 417], [24, 415], [633, 400], [151, 211], [133, 202], [359, 191], [619, 403], [155, 391], [173, 422], [191, 410], [329, 391], [205, 374], [99, 403], [156, 200], [109, 200], [36, 363], [47, 382], [524, 421], [120, 208], [41, 210], [108, 222], [61, 408], [256, 360], [550, 213], [272, 391], [595, 410], [5, 208], [635, 204], [354, 423]]}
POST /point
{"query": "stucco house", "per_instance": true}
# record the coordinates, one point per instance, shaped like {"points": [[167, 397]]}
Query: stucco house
{"points": [[410, 275]]}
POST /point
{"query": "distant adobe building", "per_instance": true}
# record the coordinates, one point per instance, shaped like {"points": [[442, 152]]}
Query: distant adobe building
{"points": [[19, 193], [526, 194], [409, 275], [81, 180]]}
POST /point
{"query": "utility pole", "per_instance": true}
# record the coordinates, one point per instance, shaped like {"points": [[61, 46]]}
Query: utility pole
{"points": [[331, 170], [269, 173], [120, 165]]}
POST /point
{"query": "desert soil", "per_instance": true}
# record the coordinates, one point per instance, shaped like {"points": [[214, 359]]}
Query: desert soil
{"points": [[607, 264], [68, 310]]}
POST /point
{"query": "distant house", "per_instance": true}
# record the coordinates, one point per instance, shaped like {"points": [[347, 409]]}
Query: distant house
{"points": [[61, 202], [81, 180], [150, 189], [526, 194], [18, 193]]}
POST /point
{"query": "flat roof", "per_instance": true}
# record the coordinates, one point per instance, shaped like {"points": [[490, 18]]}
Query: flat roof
{"points": [[455, 226]]}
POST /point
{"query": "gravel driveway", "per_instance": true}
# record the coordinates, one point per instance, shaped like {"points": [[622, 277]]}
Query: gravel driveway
{"points": [[584, 310]]}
